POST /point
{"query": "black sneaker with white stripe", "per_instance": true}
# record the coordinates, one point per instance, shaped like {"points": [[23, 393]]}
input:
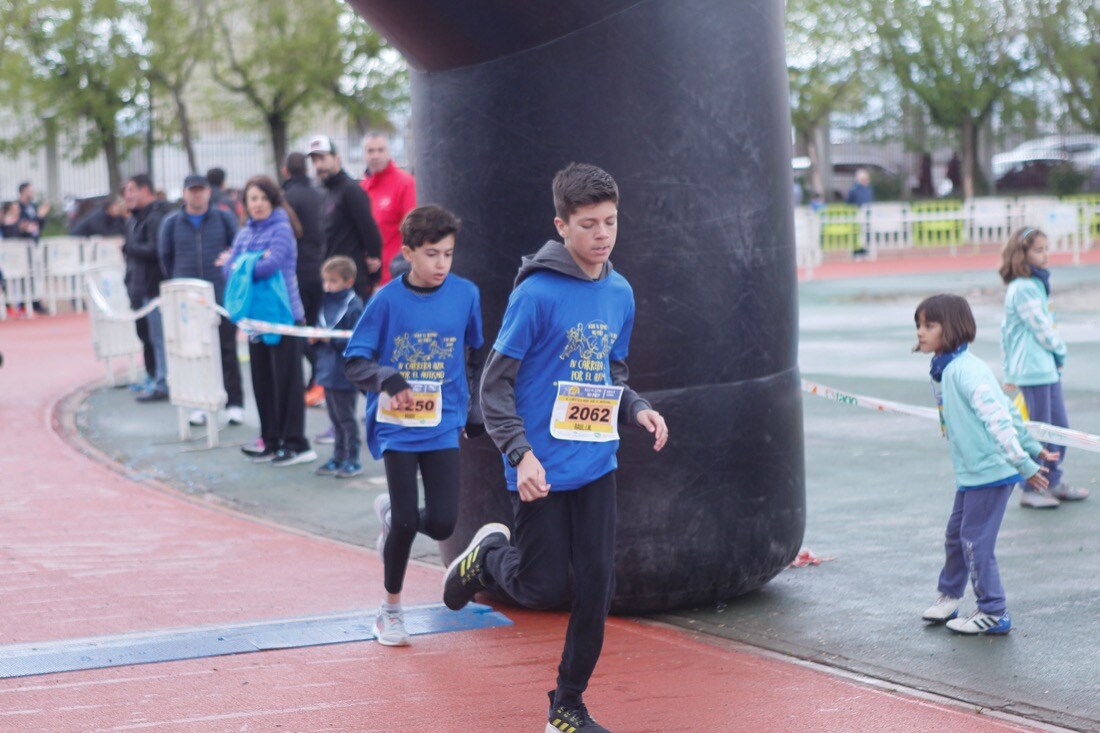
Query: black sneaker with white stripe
{"points": [[463, 579], [571, 719]]}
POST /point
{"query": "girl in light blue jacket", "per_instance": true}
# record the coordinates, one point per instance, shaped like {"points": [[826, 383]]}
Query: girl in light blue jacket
{"points": [[991, 452], [1032, 353]]}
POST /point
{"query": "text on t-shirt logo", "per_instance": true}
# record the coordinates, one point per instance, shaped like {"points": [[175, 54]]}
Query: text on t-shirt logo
{"points": [[586, 348]]}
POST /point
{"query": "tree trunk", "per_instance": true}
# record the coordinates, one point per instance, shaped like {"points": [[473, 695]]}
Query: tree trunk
{"points": [[185, 130], [970, 152], [110, 151], [277, 124]]}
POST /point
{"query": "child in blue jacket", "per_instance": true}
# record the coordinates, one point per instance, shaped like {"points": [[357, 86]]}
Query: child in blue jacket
{"points": [[340, 311], [991, 452], [1033, 354]]}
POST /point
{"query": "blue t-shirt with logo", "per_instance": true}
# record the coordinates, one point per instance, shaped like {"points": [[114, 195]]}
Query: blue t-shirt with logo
{"points": [[424, 336], [564, 329]]}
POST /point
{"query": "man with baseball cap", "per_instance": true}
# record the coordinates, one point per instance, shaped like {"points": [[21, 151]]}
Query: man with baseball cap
{"points": [[191, 241], [350, 230]]}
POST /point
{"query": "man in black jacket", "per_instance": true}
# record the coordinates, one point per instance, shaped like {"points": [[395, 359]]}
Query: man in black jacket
{"points": [[307, 203], [350, 230], [143, 276], [190, 242]]}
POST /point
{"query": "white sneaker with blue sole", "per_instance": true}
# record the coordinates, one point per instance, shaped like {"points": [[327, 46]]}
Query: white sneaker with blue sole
{"points": [[981, 623], [944, 609]]}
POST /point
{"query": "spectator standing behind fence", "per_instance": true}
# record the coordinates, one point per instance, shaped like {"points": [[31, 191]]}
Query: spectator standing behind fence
{"points": [[9, 222], [860, 193], [306, 201], [350, 229], [108, 220], [219, 198], [143, 276], [340, 311], [191, 241], [32, 215], [392, 194], [276, 363]]}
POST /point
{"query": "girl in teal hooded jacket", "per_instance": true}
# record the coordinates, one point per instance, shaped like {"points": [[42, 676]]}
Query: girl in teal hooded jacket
{"points": [[1032, 352], [991, 452]]}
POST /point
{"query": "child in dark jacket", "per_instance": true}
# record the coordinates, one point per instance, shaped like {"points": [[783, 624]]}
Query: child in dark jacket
{"points": [[340, 310]]}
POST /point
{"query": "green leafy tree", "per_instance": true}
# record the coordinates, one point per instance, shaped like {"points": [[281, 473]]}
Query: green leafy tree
{"points": [[828, 49], [958, 57], [74, 63], [176, 39], [375, 79], [1068, 36], [281, 56]]}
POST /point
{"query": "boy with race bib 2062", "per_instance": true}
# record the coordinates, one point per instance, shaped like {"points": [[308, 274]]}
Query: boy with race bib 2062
{"points": [[413, 351], [553, 393]]}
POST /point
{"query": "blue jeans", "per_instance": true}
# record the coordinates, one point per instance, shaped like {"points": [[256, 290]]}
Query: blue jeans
{"points": [[1045, 403], [971, 538], [156, 335]]}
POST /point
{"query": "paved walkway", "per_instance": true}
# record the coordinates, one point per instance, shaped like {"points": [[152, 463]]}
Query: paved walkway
{"points": [[88, 551]]}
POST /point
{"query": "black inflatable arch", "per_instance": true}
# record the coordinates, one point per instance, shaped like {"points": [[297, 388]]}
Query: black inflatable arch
{"points": [[685, 103]]}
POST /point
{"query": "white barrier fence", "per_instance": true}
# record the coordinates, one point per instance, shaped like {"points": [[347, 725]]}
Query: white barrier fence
{"points": [[193, 352], [1072, 225], [52, 270], [112, 337]]}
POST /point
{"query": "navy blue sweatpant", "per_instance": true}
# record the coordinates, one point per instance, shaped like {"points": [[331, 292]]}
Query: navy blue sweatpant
{"points": [[1045, 403], [971, 539]]}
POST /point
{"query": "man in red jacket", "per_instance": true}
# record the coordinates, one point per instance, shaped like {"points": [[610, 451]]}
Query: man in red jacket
{"points": [[392, 193]]}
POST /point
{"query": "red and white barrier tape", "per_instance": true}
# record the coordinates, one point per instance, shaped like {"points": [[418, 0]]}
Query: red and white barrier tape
{"points": [[1040, 431]]}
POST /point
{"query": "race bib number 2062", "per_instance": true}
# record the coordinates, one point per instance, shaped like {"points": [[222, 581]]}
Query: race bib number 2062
{"points": [[588, 412]]}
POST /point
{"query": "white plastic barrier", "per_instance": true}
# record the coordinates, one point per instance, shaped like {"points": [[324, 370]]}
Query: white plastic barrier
{"points": [[990, 220], [1061, 222], [105, 251], [113, 334], [193, 352], [887, 226], [807, 234], [16, 264], [64, 271]]}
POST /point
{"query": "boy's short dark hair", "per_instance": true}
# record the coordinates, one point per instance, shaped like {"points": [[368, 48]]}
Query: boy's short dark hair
{"points": [[342, 266], [216, 176], [953, 314], [24, 186], [428, 225], [296, 164], [581, 184]]}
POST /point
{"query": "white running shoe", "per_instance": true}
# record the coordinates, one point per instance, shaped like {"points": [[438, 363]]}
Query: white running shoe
{"points": [[235, 415], [944, 609], [981, 623], [197, 418], [389, 628], [1065, 492], [1039, 499], [382, 511]]}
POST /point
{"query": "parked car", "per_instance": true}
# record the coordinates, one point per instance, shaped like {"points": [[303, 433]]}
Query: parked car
{"points": [[1083, 151], [1028, 173]]}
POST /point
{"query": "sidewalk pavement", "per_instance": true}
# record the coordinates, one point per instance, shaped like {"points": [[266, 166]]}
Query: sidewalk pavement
{"points": [[94, 549]]}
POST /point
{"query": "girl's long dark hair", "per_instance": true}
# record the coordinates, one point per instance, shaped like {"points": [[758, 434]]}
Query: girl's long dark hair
{"points": [[271, 192]]}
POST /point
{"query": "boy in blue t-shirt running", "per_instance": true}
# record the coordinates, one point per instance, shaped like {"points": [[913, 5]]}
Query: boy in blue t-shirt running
{"points": [[553, 393], [413, 351]]}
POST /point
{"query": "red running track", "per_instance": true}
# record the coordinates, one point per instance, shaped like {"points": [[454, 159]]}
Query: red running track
{"points": [[86, 551]]}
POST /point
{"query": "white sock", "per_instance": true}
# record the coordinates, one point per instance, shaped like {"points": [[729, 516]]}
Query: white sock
{"points": [[391, 607]]}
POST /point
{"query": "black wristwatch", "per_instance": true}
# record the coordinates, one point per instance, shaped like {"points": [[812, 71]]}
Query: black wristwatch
{"points": [[516, 455]]}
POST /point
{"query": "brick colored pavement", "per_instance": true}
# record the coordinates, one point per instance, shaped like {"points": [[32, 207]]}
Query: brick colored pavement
{"points": [[87, 551]]}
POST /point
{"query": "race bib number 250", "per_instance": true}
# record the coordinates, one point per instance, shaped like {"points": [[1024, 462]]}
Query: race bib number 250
{"points": [[426, 411]]}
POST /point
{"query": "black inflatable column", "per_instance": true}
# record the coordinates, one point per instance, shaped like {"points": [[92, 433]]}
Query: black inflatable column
{"points": [[685, 103]]}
